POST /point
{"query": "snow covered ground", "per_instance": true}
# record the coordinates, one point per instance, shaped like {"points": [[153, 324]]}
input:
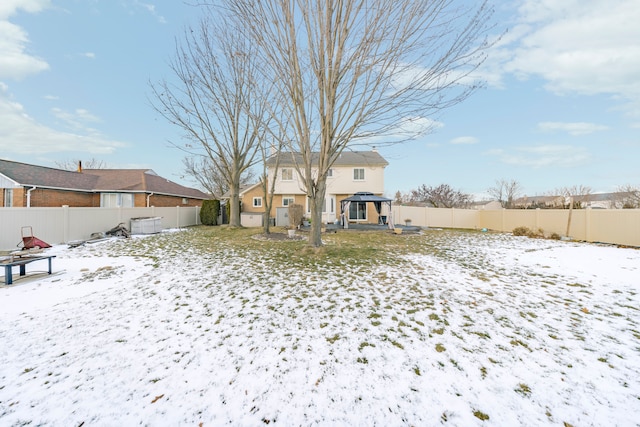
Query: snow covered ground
{"points": [[489, 329]]}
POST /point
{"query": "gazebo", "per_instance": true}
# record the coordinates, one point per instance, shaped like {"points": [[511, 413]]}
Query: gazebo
{"points": [[366, 198]]}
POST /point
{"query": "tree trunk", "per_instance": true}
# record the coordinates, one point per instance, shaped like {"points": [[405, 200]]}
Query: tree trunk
{"points": [[317, 203], [234, 209]]}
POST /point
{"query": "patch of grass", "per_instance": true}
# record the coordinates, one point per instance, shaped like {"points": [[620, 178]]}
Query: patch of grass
{"points": [[333, 339], [523, 389], [440, 348], [480, 415]]}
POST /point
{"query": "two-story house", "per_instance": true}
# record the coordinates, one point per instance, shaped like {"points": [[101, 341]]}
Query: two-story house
{"points": [[352, 172]]}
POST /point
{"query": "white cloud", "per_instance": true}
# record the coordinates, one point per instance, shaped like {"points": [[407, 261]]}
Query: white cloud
{"points": [[15, 63], [543, 156], [151, 8], [89, 55], [461, 140], [572, 128], [9, 7], [21, 134], [579, 46]]}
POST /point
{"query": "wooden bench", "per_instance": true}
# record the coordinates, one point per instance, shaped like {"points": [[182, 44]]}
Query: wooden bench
{"points": [[22, 263]]}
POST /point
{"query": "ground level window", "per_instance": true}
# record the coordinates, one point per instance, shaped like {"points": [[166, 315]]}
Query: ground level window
{"points": [[288, 200], [257, 202], [357, 210], [8, 197], [116, 200]]}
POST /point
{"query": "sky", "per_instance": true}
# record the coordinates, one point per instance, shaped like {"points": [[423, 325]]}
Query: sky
{"points": [[560, 108]]}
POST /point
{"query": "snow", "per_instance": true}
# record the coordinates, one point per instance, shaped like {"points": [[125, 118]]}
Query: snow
{"points": [[149, 331]]}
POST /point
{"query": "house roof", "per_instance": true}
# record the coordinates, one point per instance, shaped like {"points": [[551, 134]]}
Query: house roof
{"points": [[95, 180], [346, 158], [244, 188]]}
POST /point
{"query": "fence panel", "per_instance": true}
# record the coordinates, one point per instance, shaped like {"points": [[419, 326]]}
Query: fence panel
{"points": [[64, 224], [620, 226]]}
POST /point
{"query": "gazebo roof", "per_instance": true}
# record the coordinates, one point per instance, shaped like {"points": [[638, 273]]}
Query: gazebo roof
{"points": [[365, 197]]}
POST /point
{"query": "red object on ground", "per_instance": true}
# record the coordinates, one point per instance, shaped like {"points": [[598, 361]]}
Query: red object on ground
{"points": [[30, 241]]}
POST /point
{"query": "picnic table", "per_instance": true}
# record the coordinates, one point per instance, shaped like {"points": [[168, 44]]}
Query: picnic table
{"points": [[22, 262]]}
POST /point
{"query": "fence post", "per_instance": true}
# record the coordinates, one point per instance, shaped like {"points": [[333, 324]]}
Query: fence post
{"points": [[587, 225], [65, 223], [426, 217]]}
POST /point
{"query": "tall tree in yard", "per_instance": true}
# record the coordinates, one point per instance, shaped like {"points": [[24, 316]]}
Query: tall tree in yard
{"points": [[346, 71], [215, 101]]}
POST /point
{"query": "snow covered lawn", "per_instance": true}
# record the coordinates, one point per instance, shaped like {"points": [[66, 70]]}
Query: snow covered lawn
{"points": [[199, 327]]}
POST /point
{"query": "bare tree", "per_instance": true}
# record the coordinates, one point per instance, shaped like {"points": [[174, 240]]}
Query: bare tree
{"points": [[215, 101], [400, 198], [505, 192], [205, 173], [442, 196], [577, 195], [77, 164], [347, 71], [628, 197]]}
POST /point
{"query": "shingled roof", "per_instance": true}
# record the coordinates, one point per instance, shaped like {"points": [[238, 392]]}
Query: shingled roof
{"points": [[346, 158], [95, 180]]}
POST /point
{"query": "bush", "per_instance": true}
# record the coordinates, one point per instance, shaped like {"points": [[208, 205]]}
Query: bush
{"points": [[526, 231], [296, 214], [209, 212], [522, 231], [555, 236]]}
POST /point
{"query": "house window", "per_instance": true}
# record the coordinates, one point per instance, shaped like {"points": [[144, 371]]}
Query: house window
{"points": [[287, 174], [8, 198], [329, 202], [257, 202], [116, 200], [357, 211], [358, 174], [330, 173], [288, 200]]}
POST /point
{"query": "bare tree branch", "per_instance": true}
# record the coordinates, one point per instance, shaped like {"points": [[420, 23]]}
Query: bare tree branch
{"points": [[215, 101], [348, 71]]}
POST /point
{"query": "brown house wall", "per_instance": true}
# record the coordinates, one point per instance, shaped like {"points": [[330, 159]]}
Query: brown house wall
{"points": [[47, 198], [161, 201]]}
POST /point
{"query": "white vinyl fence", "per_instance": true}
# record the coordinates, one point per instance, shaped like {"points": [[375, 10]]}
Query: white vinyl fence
{"points": [[65, 224], [615, 226]]}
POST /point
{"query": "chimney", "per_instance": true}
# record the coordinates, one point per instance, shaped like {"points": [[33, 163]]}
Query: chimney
{"points": [[80, 166]]}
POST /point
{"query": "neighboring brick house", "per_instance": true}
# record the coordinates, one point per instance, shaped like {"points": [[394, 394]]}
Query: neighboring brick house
{"points": [[352, 172], [25, 185]]}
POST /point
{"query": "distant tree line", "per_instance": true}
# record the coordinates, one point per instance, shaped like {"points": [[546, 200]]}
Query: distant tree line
{"points": [[508, 192]]}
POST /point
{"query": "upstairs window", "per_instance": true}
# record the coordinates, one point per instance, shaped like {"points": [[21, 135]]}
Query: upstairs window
{"points": [[358, 174], [287, 174]]}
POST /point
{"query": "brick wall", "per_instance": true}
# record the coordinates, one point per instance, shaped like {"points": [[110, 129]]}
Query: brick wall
{"points": [[162, 201], [47, 198]]}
